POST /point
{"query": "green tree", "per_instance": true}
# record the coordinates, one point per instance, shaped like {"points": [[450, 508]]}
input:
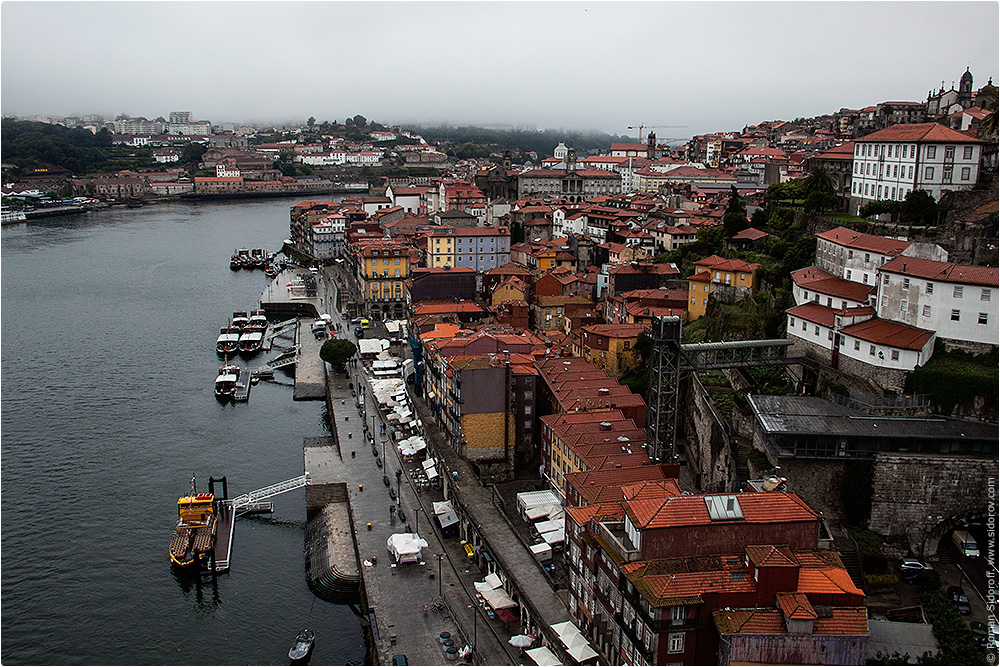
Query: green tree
{"points": [[336, 351], [359, 121], [817, 201], [919, 207], [735, 218], [311, 121], [819, 180]]}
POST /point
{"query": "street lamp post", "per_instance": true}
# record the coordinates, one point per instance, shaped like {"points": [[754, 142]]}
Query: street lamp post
{"points": [[439, 557], [961, 568]]}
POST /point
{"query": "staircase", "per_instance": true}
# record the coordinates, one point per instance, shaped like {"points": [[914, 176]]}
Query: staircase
{"points": [[742, 467], [853, 566]]}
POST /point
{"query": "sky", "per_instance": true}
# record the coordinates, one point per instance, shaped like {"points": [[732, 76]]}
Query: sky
{"points": [[703, 66]]}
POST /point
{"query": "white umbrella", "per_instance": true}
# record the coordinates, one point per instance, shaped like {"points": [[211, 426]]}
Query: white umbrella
{"points": [[521, 641]]}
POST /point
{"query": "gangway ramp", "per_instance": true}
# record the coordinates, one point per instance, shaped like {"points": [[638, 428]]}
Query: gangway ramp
{"points": [[248, 501]]}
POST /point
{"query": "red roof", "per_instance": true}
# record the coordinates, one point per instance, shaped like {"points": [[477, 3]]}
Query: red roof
{"points": [[774, 507], [768, 555], [842, 621], [824, 315], [750, 234], [818, 280], [720, 263], [891, 334], [795, 606], [920, 132], [855, 240], [944, 271]]}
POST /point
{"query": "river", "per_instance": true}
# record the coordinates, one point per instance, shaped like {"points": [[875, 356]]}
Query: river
{"points": [[108, 360]]}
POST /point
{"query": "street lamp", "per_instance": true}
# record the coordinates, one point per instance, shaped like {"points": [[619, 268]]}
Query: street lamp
{"points": [[439, 557], [961, 568]]}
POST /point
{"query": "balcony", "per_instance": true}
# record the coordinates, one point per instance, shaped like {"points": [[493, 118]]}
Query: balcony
{"points": [[614, 534]]}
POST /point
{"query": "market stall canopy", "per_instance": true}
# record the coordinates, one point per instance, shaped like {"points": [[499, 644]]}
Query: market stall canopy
{"points": [[549, 526], [555, 536], [540, 511], [542, 656], [405, 546], [493, 580], [497, 599], [506, 616], [541, 551]]}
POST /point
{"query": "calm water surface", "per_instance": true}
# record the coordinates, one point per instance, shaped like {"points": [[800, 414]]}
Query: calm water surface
{"points": [[107, 356]]}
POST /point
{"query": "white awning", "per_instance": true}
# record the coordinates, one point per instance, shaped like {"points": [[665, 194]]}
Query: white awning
{"points": [[541, 550], [554, 537], [579, 648], [445, 513], [482, 586], [539, 511], [428, 463], [431, 472], [565, 628], [549, 526], [493, 580], [542, 656], [497, 599]]}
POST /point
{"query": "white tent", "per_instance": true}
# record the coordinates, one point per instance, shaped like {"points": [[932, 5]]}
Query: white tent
{"points": [[497, 599], [541, 551], [405, 547], [540, 511], [482, 586], [431, 472], [428, 463], [549, 526], [493, 580], [528, 499], [578, 647], [554, 537], [542, 656], [445, 513], [565, 628]]}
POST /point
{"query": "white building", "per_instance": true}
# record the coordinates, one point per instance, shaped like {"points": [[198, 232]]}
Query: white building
{"points": [[560, 151], [227, 169], [891, 163], [957, 301], [815, 285], [854, 256]]}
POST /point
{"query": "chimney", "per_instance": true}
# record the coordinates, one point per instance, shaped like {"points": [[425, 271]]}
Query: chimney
{"points": [[605, 426]]}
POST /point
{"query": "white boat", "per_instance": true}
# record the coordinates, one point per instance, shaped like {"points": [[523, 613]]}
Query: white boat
{"points": [[228, 341], [258, 321], [251, 342], [226, 381]]}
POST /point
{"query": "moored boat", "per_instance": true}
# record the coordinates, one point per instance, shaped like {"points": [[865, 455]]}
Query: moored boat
{"points": [[228, 341], [240, 320], [243, 257], [226, 381], [302, 647], [258, 321], [250, 342], [194, 534]]}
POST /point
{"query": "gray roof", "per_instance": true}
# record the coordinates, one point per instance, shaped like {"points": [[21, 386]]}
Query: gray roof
{"points": [[812, 415], [887, 637]]}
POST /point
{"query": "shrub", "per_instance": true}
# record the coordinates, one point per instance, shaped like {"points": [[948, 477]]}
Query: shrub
{"points": [[881, 580], [758, 460]]}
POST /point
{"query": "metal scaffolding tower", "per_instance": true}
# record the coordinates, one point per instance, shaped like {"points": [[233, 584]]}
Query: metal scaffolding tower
{"points": [[664, 378]]}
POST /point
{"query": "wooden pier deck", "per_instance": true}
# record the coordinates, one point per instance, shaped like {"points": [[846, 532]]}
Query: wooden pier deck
{"points": [[242, 393]]}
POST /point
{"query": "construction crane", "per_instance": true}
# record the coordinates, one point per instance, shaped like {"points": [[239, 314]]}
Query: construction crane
{"points": [[650, 127]]}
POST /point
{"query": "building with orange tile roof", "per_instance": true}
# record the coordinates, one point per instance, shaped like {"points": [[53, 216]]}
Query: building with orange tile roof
{"points": [[728, 279]]}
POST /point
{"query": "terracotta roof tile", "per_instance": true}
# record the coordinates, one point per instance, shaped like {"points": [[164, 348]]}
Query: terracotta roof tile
{"points": [[892, 334], [944, 271], [817, 280], [768, 555], [919, 132], [795, 606], [858, 241]]}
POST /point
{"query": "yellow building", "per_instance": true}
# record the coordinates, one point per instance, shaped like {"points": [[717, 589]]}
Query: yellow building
{"points": [[440, 250], [511, 289], [730, 279], [383, 268], [611, 347]]}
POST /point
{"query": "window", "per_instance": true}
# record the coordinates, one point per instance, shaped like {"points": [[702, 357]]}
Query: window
{"points": [[984, 295], [894, 355], [847, 275], [791, 320], [956, 316], [931, 152], [929, 174], [966, 173], [949, 152], [903, 306], [816, 329], [871, 351], [857, 346], [885, 279], [692, 300], [983, 318], [906, 283], [397, 261], [929, 288], [829, 334], [909, 173], [967, 152], [927, 311], [895, 171], [804, 325], [957, 292], [527, 409], [885, 301], [946, 174], [675, 642]]}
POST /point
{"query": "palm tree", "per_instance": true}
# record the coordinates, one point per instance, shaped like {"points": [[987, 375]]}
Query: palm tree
{"points": [[820, 180]]}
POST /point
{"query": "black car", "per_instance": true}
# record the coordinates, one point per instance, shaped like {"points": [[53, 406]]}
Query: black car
{"points": [[399, 659], [957, 597]]}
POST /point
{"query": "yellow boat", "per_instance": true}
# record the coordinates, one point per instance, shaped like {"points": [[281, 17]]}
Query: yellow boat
{"points": [[194, 535]]}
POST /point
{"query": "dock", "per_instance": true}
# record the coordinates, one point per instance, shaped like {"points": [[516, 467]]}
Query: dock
{"points": [[242, 393], [224, 536]]}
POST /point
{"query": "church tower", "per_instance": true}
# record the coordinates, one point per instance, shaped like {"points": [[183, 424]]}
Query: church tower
{"points": [[651, 147], [571, 160], [965, 89]]}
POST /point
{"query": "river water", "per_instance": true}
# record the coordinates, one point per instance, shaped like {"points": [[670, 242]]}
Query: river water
{"points": [[108, 361]]}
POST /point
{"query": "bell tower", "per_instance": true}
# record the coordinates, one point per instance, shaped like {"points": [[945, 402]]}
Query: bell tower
{"points": [[965, 89]]}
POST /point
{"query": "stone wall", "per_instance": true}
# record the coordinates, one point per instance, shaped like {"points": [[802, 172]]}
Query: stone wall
{"points": [[708, 449], [920, 498]]}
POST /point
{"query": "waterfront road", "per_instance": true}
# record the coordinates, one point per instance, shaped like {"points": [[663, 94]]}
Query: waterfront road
{"points": [[398, 594]]}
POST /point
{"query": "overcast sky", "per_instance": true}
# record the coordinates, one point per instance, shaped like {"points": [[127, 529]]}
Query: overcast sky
{"points": [[706, 66]]}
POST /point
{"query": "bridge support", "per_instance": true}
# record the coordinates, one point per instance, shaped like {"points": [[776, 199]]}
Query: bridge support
{"points": [[664, 378]]}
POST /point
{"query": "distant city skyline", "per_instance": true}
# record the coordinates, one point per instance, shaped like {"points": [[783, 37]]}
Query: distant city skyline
{"points": [[605, 66]]}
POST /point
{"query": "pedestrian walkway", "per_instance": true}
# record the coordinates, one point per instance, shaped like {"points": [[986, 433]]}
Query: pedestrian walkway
{"points": [[519, 565], [398, 595]]}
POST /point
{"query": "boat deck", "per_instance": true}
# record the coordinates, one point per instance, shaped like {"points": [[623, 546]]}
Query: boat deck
{"points": [[242, 393], [224, 535]]}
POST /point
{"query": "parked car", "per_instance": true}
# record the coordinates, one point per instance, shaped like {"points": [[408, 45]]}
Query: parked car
{"points": [[979, 633], [911, 568], [399, 659], [957, 597]]}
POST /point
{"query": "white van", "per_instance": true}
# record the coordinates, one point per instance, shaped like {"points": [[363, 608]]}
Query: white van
{"points": [[965, 543]]}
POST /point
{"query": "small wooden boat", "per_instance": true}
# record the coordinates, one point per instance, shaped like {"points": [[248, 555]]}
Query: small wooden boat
{"points": [[228, 341], [226, 381], [302, 647], [258, 321]]}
